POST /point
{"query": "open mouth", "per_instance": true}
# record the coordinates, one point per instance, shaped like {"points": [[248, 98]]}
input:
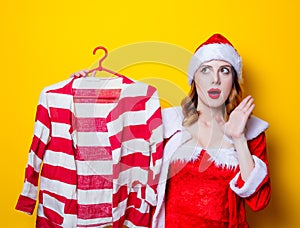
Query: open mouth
{"points": [[214, 93]]}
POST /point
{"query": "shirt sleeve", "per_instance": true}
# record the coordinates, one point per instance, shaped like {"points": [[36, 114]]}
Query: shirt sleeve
{"points": [[256, 190], [28, 197], [156, 146]]}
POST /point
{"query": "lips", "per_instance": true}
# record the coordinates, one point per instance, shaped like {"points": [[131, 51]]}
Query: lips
{"points": [[214, 93]]}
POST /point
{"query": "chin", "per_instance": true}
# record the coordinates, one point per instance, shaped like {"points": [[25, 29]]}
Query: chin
{"points": [[215, 103]]}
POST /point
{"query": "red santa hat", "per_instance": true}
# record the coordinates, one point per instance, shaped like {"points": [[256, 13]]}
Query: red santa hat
{"points": [[217, 47]]}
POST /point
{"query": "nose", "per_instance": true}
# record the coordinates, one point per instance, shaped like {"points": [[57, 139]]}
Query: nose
{"points": [[216, 78]]}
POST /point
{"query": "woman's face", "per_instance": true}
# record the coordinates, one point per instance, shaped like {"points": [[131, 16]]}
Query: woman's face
{"points": [[213, 82]]}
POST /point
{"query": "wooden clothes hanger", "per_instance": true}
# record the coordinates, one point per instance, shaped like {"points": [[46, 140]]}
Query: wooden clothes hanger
{"points": [[100, 67]]}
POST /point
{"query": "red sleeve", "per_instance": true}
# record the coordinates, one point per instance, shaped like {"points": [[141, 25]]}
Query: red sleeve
{"points": [[42, 126], [261, 197]]}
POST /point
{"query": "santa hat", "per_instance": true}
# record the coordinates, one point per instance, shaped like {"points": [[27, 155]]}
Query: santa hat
{"points": [[217, 47]]}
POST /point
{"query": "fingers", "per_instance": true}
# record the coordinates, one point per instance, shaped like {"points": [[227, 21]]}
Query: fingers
{"points": [[249, 102], [82, 73], [249, 110], [247, 106], [244, 102]]}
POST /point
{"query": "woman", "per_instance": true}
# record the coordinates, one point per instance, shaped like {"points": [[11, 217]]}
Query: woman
{"points": [[215, 152]]}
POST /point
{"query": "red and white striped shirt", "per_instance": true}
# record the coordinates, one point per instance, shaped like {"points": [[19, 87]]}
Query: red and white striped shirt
{"points": [[100, 143]]}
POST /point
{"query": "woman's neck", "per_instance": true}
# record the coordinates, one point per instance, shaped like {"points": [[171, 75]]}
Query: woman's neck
{"points": [[207, 114]]}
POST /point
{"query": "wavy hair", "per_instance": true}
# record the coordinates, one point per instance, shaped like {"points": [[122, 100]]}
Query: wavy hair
{"points": [[190, 102]]}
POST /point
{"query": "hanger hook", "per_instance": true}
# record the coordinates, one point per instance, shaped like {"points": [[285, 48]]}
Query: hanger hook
{"points": [[104, 57]]}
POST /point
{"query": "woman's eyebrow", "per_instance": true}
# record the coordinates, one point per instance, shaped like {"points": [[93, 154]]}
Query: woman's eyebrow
{"points": [[227, 65], [204, 65]]}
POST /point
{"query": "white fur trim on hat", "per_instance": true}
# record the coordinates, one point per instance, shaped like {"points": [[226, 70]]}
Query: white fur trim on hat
{"points": [[214, 51]]}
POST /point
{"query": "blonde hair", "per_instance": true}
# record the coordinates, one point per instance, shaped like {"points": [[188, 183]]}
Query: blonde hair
{"points": [[190, 102]]}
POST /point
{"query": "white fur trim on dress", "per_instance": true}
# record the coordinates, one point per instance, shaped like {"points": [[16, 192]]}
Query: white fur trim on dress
{"points": [[255, 178], [255, 126], [225, 158], [222, 157], [214, 51]]}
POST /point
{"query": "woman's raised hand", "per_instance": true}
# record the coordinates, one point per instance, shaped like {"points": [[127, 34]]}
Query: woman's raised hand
{"points": [[235, 126]]}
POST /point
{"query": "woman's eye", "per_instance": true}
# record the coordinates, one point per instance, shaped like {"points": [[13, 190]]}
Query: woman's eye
{"points": [[225, 70], [205, 70]]}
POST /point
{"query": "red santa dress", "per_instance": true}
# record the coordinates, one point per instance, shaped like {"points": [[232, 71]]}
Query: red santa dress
{"points": [[203, 187]]}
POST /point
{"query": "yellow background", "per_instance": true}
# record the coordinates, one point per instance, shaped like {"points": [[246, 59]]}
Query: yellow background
{"points": [[43, 42]]}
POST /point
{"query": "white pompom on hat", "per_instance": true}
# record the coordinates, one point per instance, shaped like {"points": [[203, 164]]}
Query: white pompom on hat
{"points": [[217, 47]]}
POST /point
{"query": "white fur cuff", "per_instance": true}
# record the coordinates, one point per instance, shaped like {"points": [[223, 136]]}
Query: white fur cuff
{"points": [[254, 180]]}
